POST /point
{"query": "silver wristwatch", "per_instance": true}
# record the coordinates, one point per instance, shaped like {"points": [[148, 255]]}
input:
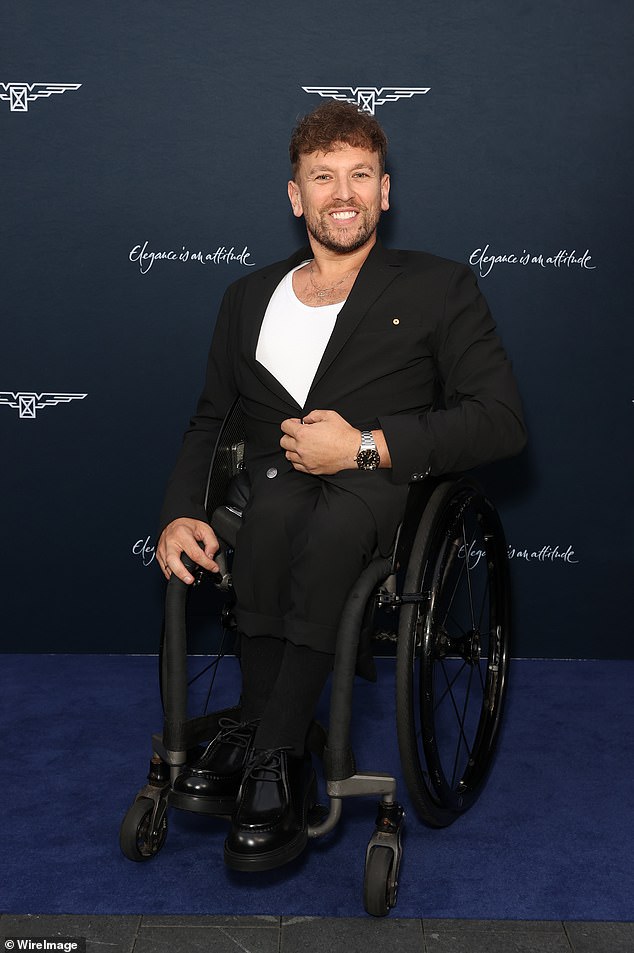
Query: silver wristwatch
{"points": [[368, 456]]}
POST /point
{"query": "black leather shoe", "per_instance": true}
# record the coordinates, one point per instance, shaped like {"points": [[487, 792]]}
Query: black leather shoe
{"points": [[270, 825], [214, 780]]}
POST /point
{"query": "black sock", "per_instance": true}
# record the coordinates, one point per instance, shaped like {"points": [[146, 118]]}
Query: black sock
{"points": [[260, 661], [291, 706]]}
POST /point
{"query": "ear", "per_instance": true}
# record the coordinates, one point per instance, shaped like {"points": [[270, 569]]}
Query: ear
{"points": [[385, 193], [295, 199]]}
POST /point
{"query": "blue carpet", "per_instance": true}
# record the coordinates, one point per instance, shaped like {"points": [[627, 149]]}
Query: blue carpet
{"points": [[551, 838]]}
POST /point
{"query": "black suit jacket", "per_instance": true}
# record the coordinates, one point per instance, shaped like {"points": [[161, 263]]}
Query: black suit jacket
{"points": [[414, 333]]}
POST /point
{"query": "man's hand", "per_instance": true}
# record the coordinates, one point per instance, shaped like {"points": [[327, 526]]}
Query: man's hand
{"points": [[184, 535], [323, 443]]}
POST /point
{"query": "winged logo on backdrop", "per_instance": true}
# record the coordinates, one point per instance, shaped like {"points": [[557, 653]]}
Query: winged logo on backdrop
{"points": [[367, 97], [28, 403], [19, 95]]}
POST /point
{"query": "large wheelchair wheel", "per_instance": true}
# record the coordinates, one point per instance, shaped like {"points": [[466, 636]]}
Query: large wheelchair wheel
{"points": [[453, 651]]}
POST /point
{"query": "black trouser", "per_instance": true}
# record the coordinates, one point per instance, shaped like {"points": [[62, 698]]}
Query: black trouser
{"points": [[302, 546]]}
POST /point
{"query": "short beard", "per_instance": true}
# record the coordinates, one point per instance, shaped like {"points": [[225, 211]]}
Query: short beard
{"points": [[326, 240]]}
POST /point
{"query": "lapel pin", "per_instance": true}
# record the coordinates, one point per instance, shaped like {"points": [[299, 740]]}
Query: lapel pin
{"points": [[395, 321]]}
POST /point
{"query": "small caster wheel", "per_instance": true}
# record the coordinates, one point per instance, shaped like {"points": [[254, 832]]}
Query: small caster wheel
{"points": [[376, 885], [136, 838]]}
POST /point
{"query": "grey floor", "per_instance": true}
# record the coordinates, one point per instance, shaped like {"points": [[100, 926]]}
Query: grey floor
{"points": [[141, 934]]}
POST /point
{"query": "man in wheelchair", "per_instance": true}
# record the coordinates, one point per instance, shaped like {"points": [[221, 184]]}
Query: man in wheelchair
{"points": [[360, 370]]}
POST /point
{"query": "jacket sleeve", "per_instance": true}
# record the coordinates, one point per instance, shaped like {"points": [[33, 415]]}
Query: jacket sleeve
{"points": [[187, 484], [480, 416]]}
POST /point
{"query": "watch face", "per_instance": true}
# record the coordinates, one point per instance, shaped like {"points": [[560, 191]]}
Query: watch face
{"points": [[368, 459]]}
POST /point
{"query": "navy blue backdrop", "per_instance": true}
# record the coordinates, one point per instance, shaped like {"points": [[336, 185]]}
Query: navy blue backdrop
{"points": [[144, 167]]}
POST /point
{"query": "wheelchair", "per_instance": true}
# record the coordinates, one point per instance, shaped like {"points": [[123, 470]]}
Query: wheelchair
{"points": [[441, 600]]}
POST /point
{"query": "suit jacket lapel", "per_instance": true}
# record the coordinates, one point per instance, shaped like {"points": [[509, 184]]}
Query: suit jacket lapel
{"points": [[261, 293], [379, 270]]}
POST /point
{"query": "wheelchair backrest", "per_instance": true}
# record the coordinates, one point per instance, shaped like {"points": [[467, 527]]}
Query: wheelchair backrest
{"points": [[227, 463]]}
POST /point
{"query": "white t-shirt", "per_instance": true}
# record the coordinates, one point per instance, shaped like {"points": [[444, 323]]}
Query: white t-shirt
{"points": [[293, 338]]}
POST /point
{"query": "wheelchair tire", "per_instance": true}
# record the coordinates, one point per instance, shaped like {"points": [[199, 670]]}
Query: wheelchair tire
{"points": [[453, 651], [376, 883], [137, 841]]}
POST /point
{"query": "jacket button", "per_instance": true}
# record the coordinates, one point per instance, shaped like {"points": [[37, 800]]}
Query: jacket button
{"points": [[271, 473]]}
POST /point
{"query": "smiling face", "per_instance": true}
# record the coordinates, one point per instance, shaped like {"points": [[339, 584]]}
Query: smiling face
{"points": [[341, 195]]}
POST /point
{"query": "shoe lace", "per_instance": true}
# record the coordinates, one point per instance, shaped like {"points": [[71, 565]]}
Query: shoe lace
{"points": [[241, 732], [266, 764]]}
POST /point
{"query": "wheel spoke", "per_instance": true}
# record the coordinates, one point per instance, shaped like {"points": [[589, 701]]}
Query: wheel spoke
{"points": [[468, 571], [485, 600], [456, 584], [464, 571], [462, 732], [455, 706], [463, 632], [202, 672], [481, 677], [213, 665], [450, 684], [213, 679]]}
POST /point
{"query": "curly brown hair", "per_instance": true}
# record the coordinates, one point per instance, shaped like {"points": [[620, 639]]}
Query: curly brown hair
{"points": [[335, 122]]}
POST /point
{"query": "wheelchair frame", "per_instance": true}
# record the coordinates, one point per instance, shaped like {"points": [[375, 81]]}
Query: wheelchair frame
{"points": [[453, 630]]}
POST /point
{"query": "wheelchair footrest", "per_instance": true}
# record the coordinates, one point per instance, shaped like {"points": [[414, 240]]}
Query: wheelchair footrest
{"points": [[364, 784], [216, 807]]}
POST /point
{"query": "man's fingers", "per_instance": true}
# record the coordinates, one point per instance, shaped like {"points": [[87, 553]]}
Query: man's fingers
{"points": [[315, 416], [193, 537], [174, 563], [291, 425], [289, 444], [207, 539]]}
